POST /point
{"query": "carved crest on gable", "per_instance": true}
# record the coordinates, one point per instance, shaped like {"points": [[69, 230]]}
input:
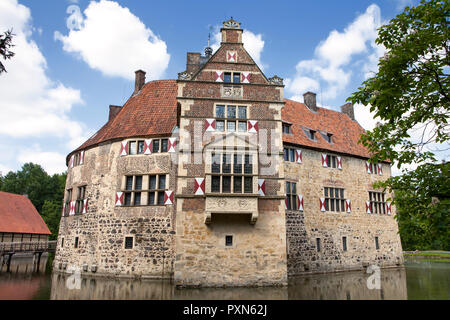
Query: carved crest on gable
{"points": [[231, 24]]}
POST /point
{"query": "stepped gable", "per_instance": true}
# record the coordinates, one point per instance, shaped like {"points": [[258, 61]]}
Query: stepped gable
{"points": [[345, 132], [151, 112], [18, 215]]}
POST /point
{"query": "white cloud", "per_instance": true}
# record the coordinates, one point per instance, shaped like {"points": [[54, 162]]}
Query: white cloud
{"points": [[114, 41], [253, 43], [33, 106], [52, 162], [330, 68], [4, 170]]}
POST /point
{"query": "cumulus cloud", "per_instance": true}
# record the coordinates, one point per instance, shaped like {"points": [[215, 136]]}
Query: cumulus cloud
{"points": [[331, 67], [52, 162], [114, 41], [253, 43], [32, 105]]}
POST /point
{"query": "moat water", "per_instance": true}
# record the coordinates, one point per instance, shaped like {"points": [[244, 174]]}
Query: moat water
{"points": [[419, 279]]}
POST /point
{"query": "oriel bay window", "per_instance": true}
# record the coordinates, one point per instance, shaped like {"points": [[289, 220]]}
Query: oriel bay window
{"points": [[144, 190], [231, 173], [231, 118]]}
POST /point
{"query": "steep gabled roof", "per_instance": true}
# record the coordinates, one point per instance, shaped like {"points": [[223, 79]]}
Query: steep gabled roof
{"points": [[18, 215], [345, 131], [152, 111]]}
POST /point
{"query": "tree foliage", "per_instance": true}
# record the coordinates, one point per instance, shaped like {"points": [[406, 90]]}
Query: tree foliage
{"points": [[411, 88], [423, 207], [44, 191], [5, 45]]}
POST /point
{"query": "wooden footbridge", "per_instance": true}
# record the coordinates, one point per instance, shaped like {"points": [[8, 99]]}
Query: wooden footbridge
{"points": [[8, 249]]}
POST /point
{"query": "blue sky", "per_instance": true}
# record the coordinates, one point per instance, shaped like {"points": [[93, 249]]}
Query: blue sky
{"points": [[70, 67]]}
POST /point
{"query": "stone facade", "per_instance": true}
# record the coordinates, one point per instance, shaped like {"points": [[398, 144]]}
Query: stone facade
{"points": [[203, 235]]}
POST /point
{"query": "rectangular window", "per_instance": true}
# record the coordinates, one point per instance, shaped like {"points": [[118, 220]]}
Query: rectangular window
{"points": [[155, 143], [331, 161], [62, 242], [220, 112], [286, 128], [68, 201], [133, 148], [228, 241], [377, 202], [220, 125], [231, 126], [236, 77], [135, 187], [76, 243], [80, 200], [231, 112], [334, 199], [344, 243], [329, 138], [164, 145], [129, 242], [286, 154], [242, 112], [312, 134], [227, 77], [141, 145], [292, 155], [291, 195], [318, 244], [377, 244], [231, 173], [231, 118]]}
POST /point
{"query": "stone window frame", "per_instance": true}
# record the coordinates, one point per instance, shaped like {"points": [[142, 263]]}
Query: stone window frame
{"points": [[233, 243], [378, 205], [140, 142], [340, 200], [345, 244], [79, 202], [291, 202], [68, 200], [145, 189], [133, 245], [236, 120], [209, 174], [290, 153], [332, 161]]}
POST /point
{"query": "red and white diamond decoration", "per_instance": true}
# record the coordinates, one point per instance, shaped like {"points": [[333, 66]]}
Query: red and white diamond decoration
{"points": [[348, 206], [298, 156], [380, 169], [199, 188], [119, 199], [322, 204], [253, 126], [72, 208], [148, 146], [339, 163], [368, 207], [300, 202], [210, 124], [262, 187], [168, 197], [124, 148], [85, 202], [324, 160], [231, 56], [245, 77], [388, 208], [368, 169], [219, 76], [172, 144]]}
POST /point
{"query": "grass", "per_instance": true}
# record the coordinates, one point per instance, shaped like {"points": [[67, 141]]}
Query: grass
{"points": [[430, 255]]}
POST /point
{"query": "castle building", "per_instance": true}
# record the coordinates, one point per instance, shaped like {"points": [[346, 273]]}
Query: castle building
{"points": [[215, 179]]}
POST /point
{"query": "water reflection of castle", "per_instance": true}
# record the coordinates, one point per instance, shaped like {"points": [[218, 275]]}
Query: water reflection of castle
{"points": [[338, 286]]}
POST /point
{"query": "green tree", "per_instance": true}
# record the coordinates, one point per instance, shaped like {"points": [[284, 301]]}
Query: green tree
{"points": [[410, 94], [5, 45], [51, 213]]}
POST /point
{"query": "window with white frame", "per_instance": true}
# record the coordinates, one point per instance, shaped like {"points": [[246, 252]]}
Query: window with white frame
{"points": [[231, 173], [231, 118]]}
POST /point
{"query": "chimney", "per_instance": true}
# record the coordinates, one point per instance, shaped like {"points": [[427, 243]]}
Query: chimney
{"points": [[140, 81], [310, 100], [348, 110], [113, 111], [193, 61]]}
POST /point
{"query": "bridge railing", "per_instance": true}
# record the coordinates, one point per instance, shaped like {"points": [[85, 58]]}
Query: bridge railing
{"points": [[17, 247]]}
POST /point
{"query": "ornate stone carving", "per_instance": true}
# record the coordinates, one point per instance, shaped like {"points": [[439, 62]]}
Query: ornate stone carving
{"points": [[184, 75], [276, 80], [232, 92]]}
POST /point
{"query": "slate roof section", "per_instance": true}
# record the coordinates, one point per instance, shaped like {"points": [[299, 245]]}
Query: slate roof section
{"points": [[345, 132], [18, 215]]}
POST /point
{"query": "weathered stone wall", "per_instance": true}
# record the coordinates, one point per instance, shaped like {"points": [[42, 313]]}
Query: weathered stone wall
{"points": [[103, 228], [359, 227]]}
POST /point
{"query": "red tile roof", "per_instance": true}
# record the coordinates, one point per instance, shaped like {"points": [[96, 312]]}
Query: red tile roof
{"points": [[153, 111], [345, 131], [18, 215]]}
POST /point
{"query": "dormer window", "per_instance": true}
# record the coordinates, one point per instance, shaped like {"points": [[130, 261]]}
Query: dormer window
{"points": [[329, 138], [286, 128], [312, 134]]}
